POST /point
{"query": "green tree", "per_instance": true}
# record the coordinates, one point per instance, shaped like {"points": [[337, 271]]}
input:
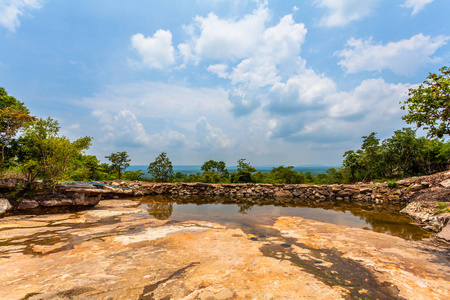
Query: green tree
{"points": [[41, 152], [84, 167], [429, 105], [371, 158], [214, 171], [402, 151], [351, 163], [134, 175], [244, 172], [212, 166], [245, 166], [287, 175], [119, 162], [161, 169], [13, 117]]}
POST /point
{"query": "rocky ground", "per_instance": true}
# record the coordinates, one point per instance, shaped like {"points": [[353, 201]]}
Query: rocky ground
{"points": [[116, 251]]}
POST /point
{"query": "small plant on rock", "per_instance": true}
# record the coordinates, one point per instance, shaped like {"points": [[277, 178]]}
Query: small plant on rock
{"points": [[392, 184], [442, 208]]}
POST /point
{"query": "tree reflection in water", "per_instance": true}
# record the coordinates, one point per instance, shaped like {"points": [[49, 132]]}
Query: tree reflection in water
{"points": [[160, 210], [377, 217], [243, 208]]}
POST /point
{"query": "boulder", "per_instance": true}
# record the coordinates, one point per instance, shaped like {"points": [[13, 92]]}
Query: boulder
{"points": [[394, 198], [446, 183], [416, 187], [365, 190], [347, 192], [445, 233], [7, 183], [425, 213], [4, 206], [51, 202], [325, 193], [28, 204], [283, 194], [296, 194]]}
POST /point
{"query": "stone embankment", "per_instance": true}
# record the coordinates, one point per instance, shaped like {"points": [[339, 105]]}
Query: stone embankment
{"points": [[421, 193]]}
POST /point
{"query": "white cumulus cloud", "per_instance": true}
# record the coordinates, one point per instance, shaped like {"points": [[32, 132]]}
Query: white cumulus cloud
{"points": [[373, 99], [416, 5], [279, 51], [156, 52], [219, 69], [125, 130], [211, 138], [216, 38], [11, 10], [371, 106], [303, 91], [403, 57], [342, 12]]}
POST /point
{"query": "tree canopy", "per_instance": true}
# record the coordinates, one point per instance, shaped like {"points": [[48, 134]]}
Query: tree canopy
{"points": [[429, 105], [42, 152], [13, 117], [119, 162], [161, 169], [214, 171]]}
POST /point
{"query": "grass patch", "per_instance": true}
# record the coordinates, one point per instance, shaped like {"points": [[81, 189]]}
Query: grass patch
{"points": [[442, 208]]}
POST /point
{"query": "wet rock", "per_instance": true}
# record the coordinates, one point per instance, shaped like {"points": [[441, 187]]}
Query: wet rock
{"points": [[393, 197], [357, 197], [425, 213], [87, 200], [28, 204], [325, 193], [4, 205], [347, 192], [336, 189], [283, 194], [296, 194]]}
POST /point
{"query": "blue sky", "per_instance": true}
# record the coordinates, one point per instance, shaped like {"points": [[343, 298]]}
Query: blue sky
{"points": [[276, 82]]}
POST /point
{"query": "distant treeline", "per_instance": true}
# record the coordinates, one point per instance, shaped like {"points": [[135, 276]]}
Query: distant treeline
{"points": [[399, 156]]}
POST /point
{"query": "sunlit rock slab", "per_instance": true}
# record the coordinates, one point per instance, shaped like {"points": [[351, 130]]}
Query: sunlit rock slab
{"points": [[152, 259], [117, 251], [418, 270]]}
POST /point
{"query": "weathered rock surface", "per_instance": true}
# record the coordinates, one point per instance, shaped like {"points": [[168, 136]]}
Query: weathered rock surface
{"points": [[446, 183], [425, 213], [445, 232], [409, 267], [4, 205], [120, 253], [28, 204]]}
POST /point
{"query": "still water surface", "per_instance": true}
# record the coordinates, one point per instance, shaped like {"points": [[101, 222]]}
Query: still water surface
{"points": [[379, 218]]}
